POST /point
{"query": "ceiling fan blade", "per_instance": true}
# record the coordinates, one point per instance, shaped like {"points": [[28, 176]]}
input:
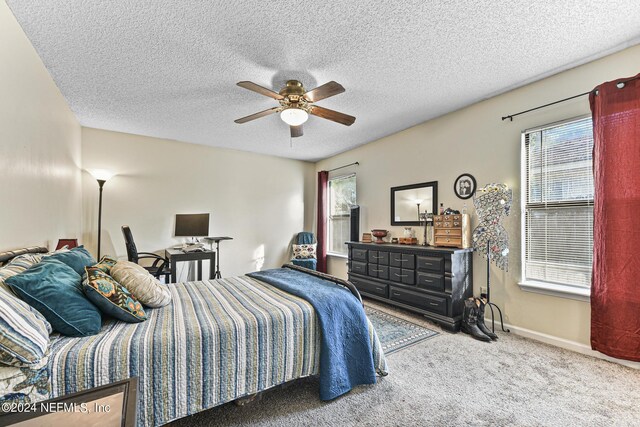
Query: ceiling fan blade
{"points": [[261, 90], [296, 131], [257, 115], [334, 116], [325, 91]]}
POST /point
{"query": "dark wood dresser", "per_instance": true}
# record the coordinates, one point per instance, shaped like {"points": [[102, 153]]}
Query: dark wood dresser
{"points": [[429, 280]]}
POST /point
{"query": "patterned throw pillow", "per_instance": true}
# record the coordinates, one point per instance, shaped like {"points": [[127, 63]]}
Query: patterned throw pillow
{"points": [[16, 266], [111, 297], [106, 263], [25, 332], [143, 285], [304, 251]]}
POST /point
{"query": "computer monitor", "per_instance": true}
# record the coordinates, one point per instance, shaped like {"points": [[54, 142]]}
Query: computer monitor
{"points": [[192, 225]]}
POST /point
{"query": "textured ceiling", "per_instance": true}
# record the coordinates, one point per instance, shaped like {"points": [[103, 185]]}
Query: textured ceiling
{"points": [[168, 68]]}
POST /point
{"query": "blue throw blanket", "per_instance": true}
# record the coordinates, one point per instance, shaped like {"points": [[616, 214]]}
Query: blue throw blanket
{"points": [[345, 355]]}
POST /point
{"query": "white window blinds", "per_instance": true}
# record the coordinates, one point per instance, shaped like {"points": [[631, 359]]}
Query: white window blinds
{"points": [[558, 203]]}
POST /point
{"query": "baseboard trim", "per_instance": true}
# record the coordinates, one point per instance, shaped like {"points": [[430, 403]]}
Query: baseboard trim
{"points": [[566, 344]]}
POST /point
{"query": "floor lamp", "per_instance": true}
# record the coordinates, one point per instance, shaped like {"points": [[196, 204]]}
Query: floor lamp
{"points": [[101, 176]]}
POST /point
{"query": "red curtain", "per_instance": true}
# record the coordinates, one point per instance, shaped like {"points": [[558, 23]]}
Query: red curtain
{"points": [[615, 290], [321, 250]]}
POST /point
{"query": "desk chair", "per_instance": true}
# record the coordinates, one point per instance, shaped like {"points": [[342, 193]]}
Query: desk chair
{"points": [[160, 266], [305, 238]]}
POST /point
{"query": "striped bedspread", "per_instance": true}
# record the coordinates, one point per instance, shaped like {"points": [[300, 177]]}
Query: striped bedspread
{"points": [[217, 341]]}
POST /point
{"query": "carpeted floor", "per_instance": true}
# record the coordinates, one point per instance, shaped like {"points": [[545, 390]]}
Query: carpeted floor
{"points": [[453, 380]]}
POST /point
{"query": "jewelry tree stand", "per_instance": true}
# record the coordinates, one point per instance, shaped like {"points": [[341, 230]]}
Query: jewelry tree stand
{"points": [[490, 238]]}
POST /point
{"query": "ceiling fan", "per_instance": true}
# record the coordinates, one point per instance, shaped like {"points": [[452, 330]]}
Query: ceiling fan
{"points": [[296, 104]]}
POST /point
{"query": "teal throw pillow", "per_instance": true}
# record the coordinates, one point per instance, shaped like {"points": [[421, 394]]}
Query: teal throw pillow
{"points": [[77, 258], [54, 289], [111, 297]]}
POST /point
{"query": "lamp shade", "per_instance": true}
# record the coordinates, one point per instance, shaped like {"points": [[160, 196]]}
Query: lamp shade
{"points": [[101, 174], [294, 116]]}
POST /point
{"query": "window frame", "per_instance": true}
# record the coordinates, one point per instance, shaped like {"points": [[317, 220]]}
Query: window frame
{"points": [[328, 213], [539, 286]]}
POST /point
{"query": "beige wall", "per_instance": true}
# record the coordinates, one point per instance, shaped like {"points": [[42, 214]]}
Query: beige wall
{"points": [[476, 141], [262, 201], [39, 148], [258, 200]]}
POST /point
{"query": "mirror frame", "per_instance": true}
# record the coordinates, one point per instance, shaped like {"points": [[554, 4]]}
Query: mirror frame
{"points": [[432, 184]]}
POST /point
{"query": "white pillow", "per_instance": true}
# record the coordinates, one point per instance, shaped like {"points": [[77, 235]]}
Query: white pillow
{"points": [[15, 266], [24, 337], [304, 251], [146, 288]]}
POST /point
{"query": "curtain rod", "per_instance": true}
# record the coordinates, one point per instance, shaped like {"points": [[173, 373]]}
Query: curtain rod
{"points": [[345, 166], [511, 116]]}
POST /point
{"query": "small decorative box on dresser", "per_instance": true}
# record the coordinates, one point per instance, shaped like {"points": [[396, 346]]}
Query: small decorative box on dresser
{"points": [[452, 231], [432, 281]]}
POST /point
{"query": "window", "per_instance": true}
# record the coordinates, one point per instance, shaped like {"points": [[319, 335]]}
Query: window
{"points": [[342, 195], [557, 174]]}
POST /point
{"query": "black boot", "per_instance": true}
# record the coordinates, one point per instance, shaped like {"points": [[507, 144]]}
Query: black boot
{"points": [[482, 303], [469, 321]]}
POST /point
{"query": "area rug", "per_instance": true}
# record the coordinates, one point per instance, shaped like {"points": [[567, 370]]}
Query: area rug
{"points": [[395, 333]]}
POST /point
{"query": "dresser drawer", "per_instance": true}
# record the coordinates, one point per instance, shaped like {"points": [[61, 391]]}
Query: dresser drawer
{"points": [[431, 263], [402, 260], [378, 289], [452, 232], [408, 261], [448, 241], [444, 218], [432, 282], [402, 275], [379, 257], [359, 254], [383, 272], [420, 300], [372, 270], [379, 271], [358, 267], [395, 259]]}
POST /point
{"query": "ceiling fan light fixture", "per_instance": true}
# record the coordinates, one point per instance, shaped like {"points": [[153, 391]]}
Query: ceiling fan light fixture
{"points": [[294, 116]]}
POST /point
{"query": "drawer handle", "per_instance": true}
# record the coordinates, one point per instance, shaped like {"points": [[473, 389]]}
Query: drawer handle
{"points": [[377, 271], [433, 303], [456, 224], [395, 294], [379, 289], [428, 280], [376, 257], [401, 275]]}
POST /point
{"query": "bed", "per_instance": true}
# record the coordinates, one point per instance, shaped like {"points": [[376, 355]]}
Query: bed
{"points": [[217, 341]]}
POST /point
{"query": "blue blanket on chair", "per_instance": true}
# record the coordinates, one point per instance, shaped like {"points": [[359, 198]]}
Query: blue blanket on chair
{"points": [[345, 354]]}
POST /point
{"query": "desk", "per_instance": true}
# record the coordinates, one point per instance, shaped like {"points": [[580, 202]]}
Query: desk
{"points": [[176, 255]]}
